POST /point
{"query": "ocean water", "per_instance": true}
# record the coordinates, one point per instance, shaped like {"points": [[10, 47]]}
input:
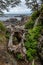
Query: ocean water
{"points": [[3, 18], [9, 16]]}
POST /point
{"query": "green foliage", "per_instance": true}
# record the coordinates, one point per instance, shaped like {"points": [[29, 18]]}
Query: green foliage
{"points": [[35, 15], [29, 24], [7, 34], [31, 42], [34, 5], [2, 27], [30, 54], [2, 39], [41, 8], [19, 56], [33, 34], [5, 4], [31, 21]]}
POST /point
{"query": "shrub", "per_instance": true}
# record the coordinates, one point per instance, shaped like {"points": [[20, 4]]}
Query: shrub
{"points": [[35, 15], [31, 42], [32, 19], [30, 54], [41, 8], [2, 27], [19, 56], [2, 39], [7, 34], [29, 24], [34, 33]]}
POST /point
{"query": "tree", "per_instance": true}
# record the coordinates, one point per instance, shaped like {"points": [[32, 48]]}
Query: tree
{"points": [[41, 1], [4, 4], [34, 4]]}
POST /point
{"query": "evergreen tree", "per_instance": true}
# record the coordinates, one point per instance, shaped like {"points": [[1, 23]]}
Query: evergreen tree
{"points": [[34, 4], [4, 4]]}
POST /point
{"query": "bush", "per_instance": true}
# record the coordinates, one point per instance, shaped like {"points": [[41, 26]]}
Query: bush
{"points": [[41, 8], [2, 27], [7, 34], [2, 39], [34, 33], [29, 24], [19, 56], [31, 21], [35, 15], [31, 42], [30, 54]]}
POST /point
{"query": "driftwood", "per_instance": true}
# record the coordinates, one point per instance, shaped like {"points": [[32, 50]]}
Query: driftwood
{"points": [[19, 47]]}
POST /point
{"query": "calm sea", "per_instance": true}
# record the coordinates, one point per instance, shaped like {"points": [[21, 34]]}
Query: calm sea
{"points": [[5, 18], [9, 16]]}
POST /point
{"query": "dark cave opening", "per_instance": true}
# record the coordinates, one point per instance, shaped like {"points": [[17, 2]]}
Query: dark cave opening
{"points": [[18, 37]]}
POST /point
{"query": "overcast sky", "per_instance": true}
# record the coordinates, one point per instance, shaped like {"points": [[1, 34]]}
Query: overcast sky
{"points": [[20, 9]]}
